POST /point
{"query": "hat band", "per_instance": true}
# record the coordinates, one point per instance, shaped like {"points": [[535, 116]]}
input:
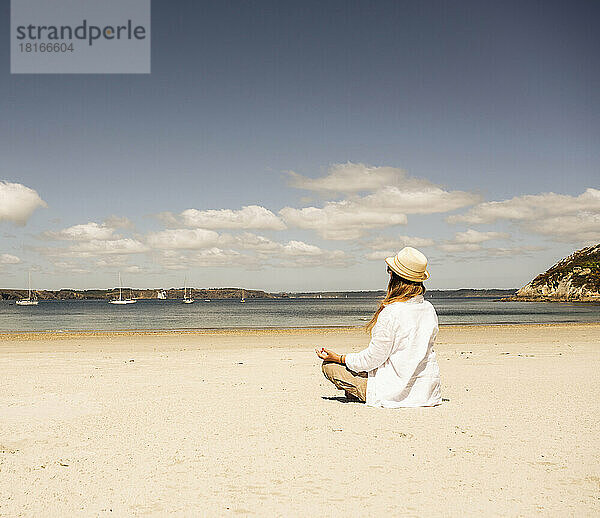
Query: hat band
{"points": [[401, 265]]}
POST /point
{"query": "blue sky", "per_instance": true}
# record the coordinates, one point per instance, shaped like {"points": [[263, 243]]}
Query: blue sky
{"points": [[414, 115]]}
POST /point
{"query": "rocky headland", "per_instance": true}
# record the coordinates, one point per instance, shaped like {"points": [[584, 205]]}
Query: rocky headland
{"points": [[575, 278]]}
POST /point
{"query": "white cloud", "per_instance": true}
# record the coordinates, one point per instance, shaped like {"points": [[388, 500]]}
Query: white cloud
{"points": [[580, 227], [83, 263], [118, 222], [70, 267], [511, 251], [398, 242], [250, 241], [264, 252], [474, 236], [83, 232], [18, 202], [430, 199], [300, 248], [116, 246], [470, 241], [388, 185], [342, 220], [96, 241], [218, 257], [9, 259], [292, 253], [352, 178], [349, 219], [386, 246], [460, 247], [394, 195], [179, 248], [248, 217], [379, 255], [295, 255], [183, 238], [562, 217], [529, 207], [211, 257], [134, 268], [113, 261], [96, 247], [476, 249]]}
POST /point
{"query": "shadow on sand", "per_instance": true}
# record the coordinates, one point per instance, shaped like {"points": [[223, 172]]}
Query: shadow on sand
{"points": [[342, 399]]}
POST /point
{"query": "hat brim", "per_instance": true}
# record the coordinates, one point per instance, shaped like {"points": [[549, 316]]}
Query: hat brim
{"points": [[405, 273]]}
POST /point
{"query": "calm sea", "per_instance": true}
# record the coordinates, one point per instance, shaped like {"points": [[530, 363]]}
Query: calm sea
{"points": [[172, 314]]}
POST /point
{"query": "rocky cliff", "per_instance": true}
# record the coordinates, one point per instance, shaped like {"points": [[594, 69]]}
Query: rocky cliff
{"points": [[574, 278]]}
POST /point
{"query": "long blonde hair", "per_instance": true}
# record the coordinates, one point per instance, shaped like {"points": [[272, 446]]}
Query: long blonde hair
{"points": [[398, 290]]}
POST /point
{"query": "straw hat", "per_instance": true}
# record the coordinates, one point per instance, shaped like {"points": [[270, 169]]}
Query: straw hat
{"points": [[409, 264]]}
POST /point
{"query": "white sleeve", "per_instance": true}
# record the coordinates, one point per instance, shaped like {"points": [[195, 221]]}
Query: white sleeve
{"points": [[378, 351]]}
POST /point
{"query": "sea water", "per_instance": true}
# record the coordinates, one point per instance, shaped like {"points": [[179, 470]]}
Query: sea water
{"points": [[68, 315]]}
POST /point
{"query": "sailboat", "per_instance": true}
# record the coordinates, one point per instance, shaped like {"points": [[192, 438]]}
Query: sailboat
{"points": [[161, 295], [121, 301], [28, 301], [187, 299], [243, 299]]}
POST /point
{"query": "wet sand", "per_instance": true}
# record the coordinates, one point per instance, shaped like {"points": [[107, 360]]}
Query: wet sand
{"points": [[219, 423]]}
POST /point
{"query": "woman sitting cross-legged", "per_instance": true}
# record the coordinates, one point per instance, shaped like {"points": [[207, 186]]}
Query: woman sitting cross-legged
{"points": [[398, 368]]}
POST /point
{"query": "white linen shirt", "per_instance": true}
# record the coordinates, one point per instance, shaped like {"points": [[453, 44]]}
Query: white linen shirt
{"points": [[400, 360]]}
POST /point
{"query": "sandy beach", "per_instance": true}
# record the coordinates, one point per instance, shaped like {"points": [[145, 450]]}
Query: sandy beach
{"points": [[242, 423]]}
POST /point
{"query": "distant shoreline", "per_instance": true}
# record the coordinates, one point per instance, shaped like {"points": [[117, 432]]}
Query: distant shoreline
{"points": [[235, 293]]}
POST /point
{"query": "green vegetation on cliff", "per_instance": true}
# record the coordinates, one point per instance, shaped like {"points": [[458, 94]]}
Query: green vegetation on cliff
{"points": [[574, 278]]}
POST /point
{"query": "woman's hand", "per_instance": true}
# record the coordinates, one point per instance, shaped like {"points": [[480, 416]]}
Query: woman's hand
{"points": [[327, 355]]}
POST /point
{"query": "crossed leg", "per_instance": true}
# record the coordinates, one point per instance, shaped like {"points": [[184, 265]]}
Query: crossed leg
{"points": [[353, 383]]}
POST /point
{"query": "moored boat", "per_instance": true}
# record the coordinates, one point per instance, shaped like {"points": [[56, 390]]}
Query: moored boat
{"points": [[29, 301]]}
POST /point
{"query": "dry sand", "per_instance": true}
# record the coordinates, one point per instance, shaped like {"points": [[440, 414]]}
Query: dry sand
{"points": [[243, 423]]}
